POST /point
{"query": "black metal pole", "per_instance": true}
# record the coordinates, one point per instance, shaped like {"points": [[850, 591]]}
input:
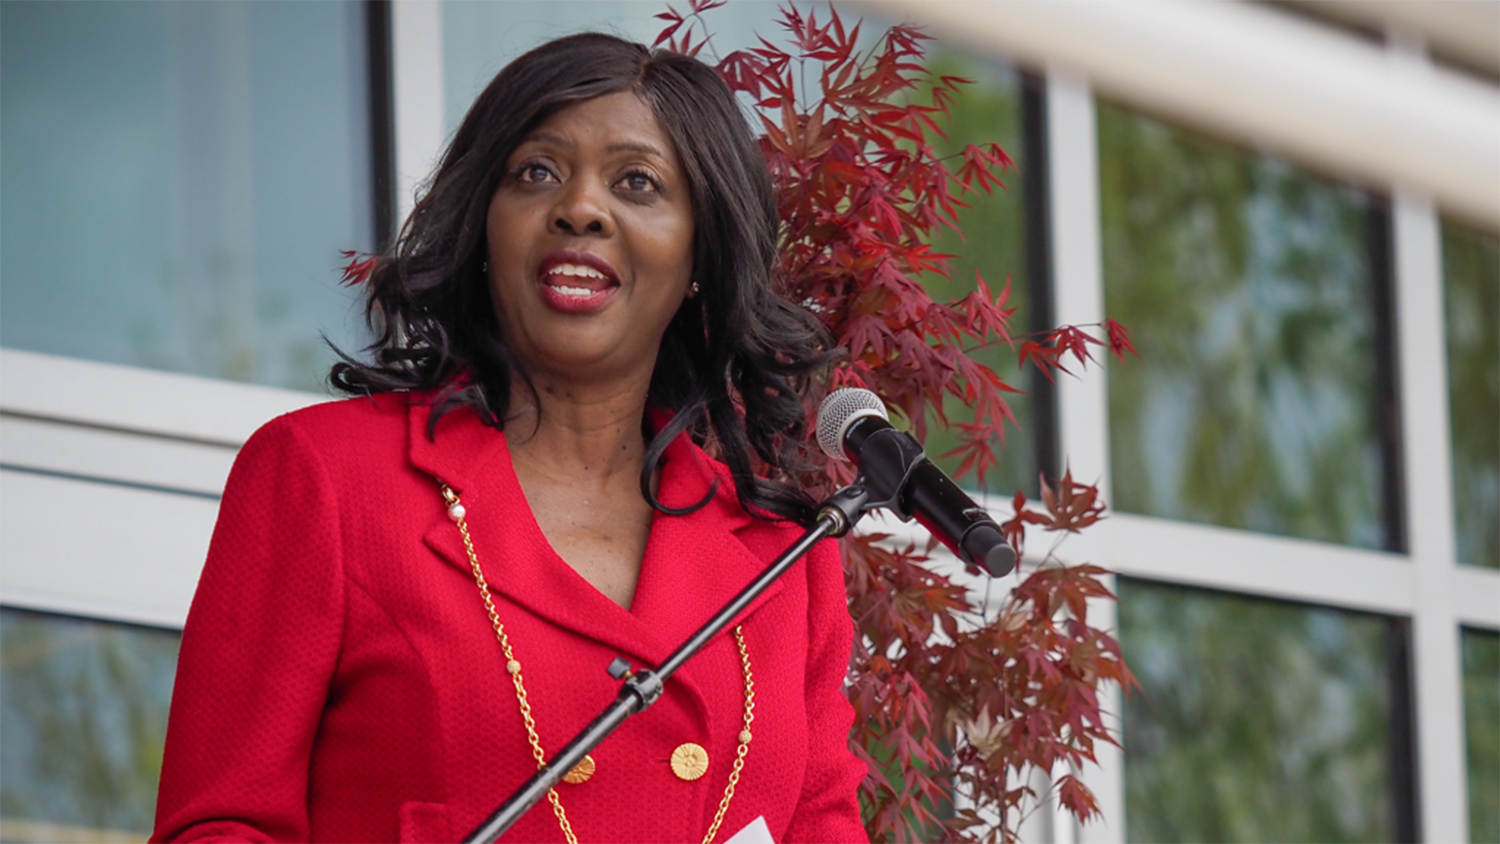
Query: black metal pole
{"points": [[837, 515]]}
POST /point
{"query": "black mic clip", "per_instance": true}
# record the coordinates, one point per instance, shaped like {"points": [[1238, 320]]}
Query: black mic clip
{"points": [[887, 460]]}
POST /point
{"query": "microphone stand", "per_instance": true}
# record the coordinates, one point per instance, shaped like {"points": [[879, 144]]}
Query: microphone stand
{"points": [[641, 688]]}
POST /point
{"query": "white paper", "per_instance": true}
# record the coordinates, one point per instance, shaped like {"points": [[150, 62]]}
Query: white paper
{"points": [[755, 832]]}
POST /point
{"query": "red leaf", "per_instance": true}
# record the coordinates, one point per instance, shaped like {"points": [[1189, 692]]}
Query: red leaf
{"points": [[1044, 357], [1119, 339], [1072, 505], [1072, 339], [1076, 798], [358, 270], [1015, 527]]}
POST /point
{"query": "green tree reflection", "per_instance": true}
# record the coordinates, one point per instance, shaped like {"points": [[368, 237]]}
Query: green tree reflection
{"points": [[1247, 285], [1481, 649], [1471, 284], [83, 707], [994, 244], [1256, 721]]}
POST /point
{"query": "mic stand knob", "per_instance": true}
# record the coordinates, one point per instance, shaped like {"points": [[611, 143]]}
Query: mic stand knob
{"points": [[845, 507], [620, 669]]}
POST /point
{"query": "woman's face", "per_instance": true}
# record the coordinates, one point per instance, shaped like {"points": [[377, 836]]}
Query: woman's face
{"points": [[590, 241]]}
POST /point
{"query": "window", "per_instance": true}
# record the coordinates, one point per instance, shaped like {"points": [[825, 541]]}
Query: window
{"points": [[1471, 288], [1481, 654], [1005, 239], [83, 706], [1261, 720], [179, 180], [481, 38], [1255, 292]]}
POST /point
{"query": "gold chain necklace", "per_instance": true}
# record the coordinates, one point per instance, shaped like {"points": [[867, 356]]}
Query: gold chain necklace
{"points": [[585, 769]]}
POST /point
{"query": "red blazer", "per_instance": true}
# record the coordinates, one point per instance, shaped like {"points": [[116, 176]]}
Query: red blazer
{"points": [[340, 681]]}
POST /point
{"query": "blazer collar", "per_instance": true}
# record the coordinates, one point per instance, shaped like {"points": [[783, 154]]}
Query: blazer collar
{"points": [[461, 448], [693, 564]]}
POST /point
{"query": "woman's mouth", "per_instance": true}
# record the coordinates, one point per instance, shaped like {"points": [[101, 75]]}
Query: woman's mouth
{"points": [[577, 282]]}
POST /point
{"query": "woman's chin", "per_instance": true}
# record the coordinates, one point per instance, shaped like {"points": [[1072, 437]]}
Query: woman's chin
{"points": [[585, 363]]}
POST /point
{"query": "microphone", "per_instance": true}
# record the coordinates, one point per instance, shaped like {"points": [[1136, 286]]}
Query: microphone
{"points": [[852, 427]]}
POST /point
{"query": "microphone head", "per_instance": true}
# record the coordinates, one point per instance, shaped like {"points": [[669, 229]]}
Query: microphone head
{"points": [[838, 411]]}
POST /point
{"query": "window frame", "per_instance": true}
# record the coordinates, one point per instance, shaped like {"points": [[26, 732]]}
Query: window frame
{"points": [[110, 475]]}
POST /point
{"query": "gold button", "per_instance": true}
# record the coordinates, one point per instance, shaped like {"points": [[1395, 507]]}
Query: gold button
{"points": [[581, 772], [689, 761]]}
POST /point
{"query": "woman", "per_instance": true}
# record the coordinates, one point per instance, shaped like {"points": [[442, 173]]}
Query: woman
{"points": [[411, 597]]}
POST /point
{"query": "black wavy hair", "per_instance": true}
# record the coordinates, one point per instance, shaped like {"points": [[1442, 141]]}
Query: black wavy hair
{"points": [[736, 359]]}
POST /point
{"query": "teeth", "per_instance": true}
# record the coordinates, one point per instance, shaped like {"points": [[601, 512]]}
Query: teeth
{"points": [[576, 270], [573, 291]]}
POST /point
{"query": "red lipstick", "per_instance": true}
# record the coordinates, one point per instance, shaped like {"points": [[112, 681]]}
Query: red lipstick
{"points": [[574, 282]]}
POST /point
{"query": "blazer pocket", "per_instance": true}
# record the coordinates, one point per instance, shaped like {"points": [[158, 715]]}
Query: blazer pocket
{"points": [[424, 823]]}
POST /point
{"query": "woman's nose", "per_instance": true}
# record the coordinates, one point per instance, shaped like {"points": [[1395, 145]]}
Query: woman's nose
{"points": [[582, 209]]}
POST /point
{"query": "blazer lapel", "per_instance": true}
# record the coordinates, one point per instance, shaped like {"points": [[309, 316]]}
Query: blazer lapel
{"points": [[515, 556], [695, 564]]}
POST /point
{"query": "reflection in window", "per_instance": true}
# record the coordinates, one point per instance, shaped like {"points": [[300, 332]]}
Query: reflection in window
{"points": [[1471, 286], [83, 708], [481, 38], [179, 180], [1259, 720], [1481, 654], [1250, 288], [1003, 239]]}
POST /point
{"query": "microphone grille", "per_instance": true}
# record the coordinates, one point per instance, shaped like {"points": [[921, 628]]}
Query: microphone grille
{"points": [[838, 411]]}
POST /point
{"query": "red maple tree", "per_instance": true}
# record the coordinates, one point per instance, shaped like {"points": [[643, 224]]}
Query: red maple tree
{"points": [[947, 700]]}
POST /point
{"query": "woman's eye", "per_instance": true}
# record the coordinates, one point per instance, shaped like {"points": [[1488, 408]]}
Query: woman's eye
{"points": [[638, 182], [534, 173]]}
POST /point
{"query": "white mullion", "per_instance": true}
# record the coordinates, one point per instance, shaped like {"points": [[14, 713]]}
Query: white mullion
{"points": [[136, 560], [109, 396], [1244, 562], [77, 438], [417, 76], [1422, 373], [1436, 659], [1083, 404]]}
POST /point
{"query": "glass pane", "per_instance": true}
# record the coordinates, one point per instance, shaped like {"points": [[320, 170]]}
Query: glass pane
{"points": [[1471, 286], [1482, 731], [994, 244], [1257, 720], [83, 707], [179, 180], [1248, 286], [480, 37]]}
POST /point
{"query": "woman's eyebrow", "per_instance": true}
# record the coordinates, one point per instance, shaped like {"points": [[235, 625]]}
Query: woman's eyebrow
{"points": [[546, 138], [636, 147]]}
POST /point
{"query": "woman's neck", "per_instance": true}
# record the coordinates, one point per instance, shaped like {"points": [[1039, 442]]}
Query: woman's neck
{"points": [[578, 433], [578, 452]]}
